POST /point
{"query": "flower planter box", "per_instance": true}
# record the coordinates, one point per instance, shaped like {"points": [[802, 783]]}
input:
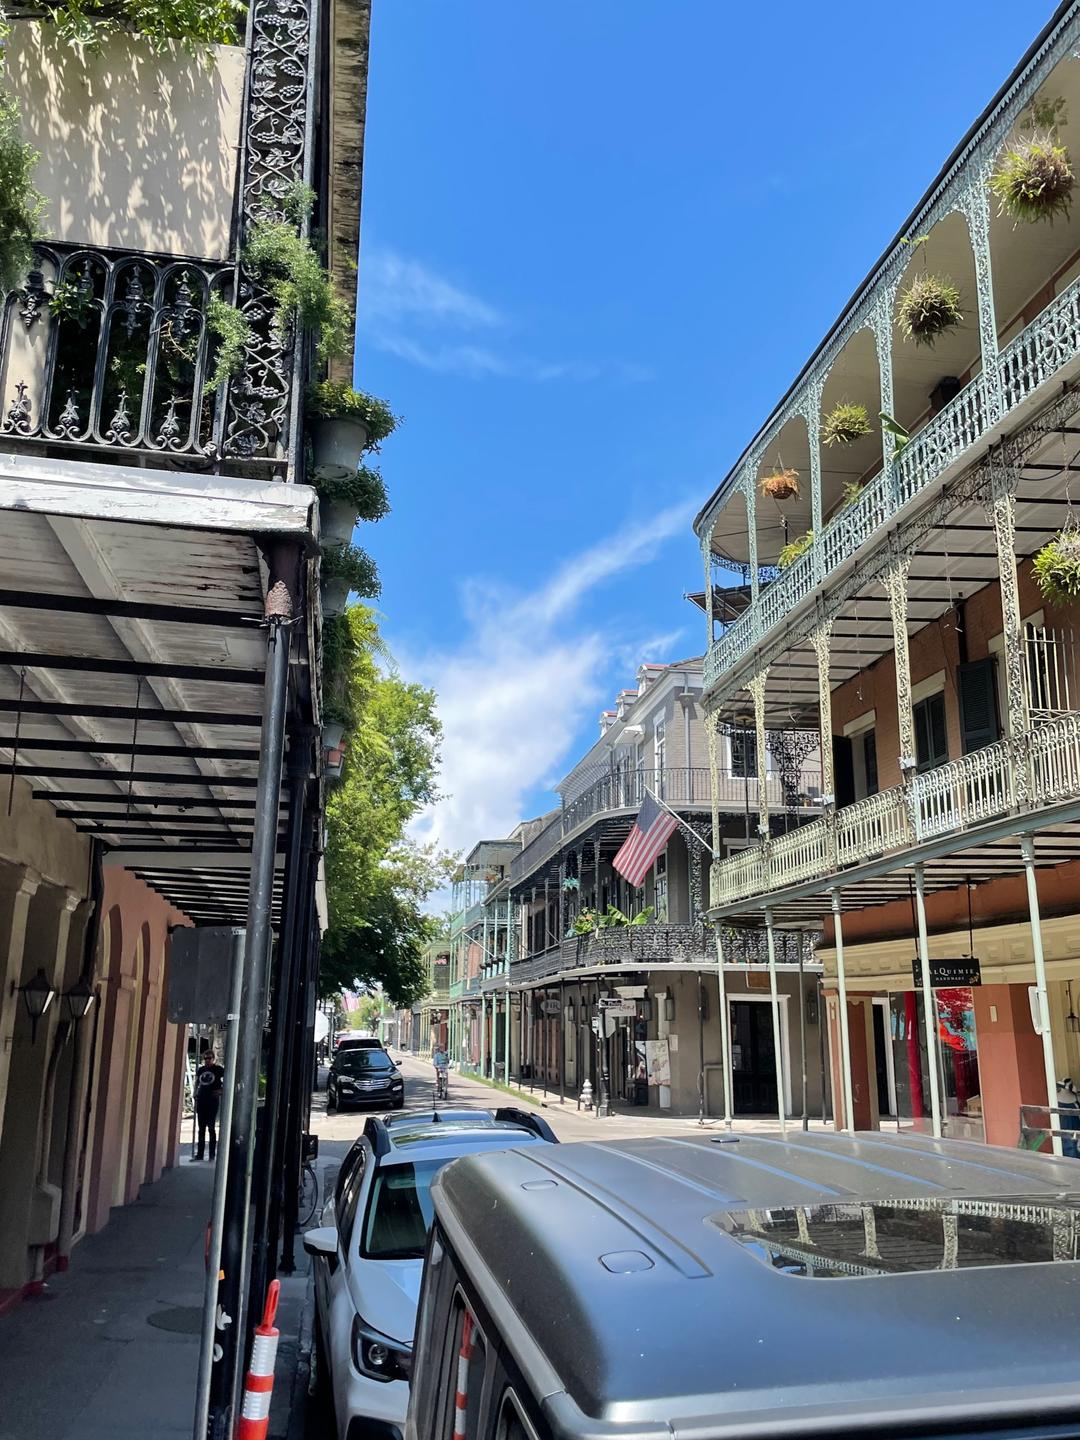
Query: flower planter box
{"points": [[337, 445]]}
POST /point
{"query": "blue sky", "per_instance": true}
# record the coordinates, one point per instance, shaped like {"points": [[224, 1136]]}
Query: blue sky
{"points": [[599, 239]]}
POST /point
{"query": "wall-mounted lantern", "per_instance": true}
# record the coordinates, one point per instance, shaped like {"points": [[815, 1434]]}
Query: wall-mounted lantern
{"points": [[77, 1001], [37, 995]]}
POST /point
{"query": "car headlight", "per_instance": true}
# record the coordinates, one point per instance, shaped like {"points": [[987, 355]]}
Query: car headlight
{"points": [[377, 1356]]}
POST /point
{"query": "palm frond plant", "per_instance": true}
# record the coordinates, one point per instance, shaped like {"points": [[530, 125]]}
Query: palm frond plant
{"points": [[782, 484], [900, 436], [844, 424], [794, 549], [1056, 567], [1033, 179], [929, 307]]}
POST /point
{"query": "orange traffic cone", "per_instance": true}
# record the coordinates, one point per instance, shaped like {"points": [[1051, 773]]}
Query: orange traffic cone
{"points": [[259, 1381]]}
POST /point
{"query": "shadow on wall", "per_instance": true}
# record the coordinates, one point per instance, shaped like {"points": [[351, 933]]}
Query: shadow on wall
{"points": [[138, 151]]}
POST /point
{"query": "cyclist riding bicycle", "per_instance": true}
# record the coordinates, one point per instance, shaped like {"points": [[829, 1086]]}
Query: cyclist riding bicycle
{"points": [[441, 1061]]}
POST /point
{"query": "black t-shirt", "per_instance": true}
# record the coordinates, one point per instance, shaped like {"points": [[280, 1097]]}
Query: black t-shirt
{"points": [[208, 1082]]}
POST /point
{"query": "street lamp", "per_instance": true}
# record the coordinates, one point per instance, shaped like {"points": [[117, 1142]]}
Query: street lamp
{"points": [[37, 995], [77, 1001]]}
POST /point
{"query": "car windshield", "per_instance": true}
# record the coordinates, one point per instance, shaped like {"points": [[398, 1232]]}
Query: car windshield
{"points": [[353, 1061], [399, 1212]]}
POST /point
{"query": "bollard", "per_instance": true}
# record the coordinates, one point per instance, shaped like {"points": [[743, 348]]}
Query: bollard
{"points": [[586, 1100], [259, 1382]]}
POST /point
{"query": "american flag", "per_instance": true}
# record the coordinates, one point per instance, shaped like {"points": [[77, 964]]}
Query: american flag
{"points": [[650, 833]]}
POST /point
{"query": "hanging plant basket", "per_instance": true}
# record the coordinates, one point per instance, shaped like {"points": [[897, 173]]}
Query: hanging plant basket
{"points": [[1057, 567], [850, 496], [929, 307], [781, 485], [794, 549], [1034, 178], [844, 424], [337, 521]]}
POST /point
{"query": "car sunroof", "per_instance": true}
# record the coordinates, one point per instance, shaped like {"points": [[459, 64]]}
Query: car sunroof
{"points": [[896, 1237]]}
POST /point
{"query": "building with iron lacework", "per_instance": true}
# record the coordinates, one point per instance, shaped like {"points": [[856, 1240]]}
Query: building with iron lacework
{"points": [[889, 601]]}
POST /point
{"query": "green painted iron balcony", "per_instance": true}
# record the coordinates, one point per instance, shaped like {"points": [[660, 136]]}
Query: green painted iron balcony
{"points": [[1011, 777], [1038, 358]]}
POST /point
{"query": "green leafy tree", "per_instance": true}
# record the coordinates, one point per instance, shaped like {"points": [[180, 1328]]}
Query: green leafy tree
{"points": [[377, 879]]}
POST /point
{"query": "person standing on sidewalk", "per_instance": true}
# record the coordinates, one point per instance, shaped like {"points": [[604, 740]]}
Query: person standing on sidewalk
{"points": [[209, 1081]]}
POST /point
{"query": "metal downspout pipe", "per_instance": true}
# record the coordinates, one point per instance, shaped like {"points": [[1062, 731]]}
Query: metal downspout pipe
{"points": [[281, 611]]}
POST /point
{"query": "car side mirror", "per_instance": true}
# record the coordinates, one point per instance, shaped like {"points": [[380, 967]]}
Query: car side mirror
{"points": [[322, 1241]]}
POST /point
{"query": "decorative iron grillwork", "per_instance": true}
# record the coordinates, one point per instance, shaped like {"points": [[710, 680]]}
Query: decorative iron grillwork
{"points": [[102, 348]]}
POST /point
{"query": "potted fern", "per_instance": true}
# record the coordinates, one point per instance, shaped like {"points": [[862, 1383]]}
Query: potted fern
{"points": [[794, 549], [345, 500], [346, 570], [782, 484], [344, 424], [1033, 179], [844, 424], [929, 307], [1057, 567]]}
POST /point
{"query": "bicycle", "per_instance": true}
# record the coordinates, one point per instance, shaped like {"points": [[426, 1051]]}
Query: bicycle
{"points": [[442, 1083], [308, 1201]]}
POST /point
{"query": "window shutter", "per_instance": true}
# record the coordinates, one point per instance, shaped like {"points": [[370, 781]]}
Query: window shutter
{"points": [[978, 704], [843, 770]]}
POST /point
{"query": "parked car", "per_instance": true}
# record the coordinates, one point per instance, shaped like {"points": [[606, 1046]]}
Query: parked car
{"points": [[368, 1255], [724, 1286], [365, 1076]]}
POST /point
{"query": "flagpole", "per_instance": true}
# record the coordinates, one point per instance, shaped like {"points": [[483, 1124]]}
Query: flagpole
{"points": [[678, 818]]}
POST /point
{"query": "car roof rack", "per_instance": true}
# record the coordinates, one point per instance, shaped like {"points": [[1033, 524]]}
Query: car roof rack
{"points": [[512, 1115]]}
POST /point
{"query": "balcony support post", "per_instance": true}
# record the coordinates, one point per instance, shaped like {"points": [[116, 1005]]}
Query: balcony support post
{"points": [[895, 580], [748, 485], [756, 686], [820, 637], [1001, 511], [712, 740], [506, 1032], [706, 560], [929, 1004], [774, 993], [845, 1032], [813, 431], [974, 203], [725, 1026], [483, 1034], [1027, 850], [882, 324]]}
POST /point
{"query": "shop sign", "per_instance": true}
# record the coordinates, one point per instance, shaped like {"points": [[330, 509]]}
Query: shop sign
{"points": [[949, 974], [616, 1005], [550, 1007], [757, 978]]}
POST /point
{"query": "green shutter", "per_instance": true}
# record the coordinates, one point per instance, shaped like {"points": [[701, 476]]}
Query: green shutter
{"points": [[976, 687]]}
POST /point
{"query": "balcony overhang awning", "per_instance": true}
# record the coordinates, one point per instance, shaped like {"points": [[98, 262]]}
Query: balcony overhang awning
{"points": [[132, 654]]}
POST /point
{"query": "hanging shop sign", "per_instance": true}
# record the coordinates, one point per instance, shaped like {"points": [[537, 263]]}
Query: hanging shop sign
{"points": [[550, 1007], [616, 1005], [949, 974]]}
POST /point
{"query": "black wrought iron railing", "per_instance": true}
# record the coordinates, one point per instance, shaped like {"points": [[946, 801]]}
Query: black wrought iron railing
{"points": [[105, 350], [662, 944]]}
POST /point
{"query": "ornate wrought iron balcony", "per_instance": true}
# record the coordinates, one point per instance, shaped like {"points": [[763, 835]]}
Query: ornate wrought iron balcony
{"points": [[686, 789], [1012, 776], [103, 350], [638, 945], [1037, 355]]}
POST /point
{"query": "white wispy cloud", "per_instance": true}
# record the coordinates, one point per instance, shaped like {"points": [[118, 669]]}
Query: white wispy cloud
{"points": [[529, 674], [409, 310], [395, 288]]}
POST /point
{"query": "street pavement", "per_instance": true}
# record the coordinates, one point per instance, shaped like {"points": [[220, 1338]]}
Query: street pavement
{"points": [[568, 1121]]}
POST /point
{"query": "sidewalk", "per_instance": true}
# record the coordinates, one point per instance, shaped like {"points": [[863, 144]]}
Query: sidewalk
{"points": [[111, 1350]]}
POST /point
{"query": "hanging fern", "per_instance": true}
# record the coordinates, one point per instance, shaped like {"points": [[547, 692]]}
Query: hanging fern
{"points": [[1034, 178], [1057, 568], [928, 308], [844, 424]]}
